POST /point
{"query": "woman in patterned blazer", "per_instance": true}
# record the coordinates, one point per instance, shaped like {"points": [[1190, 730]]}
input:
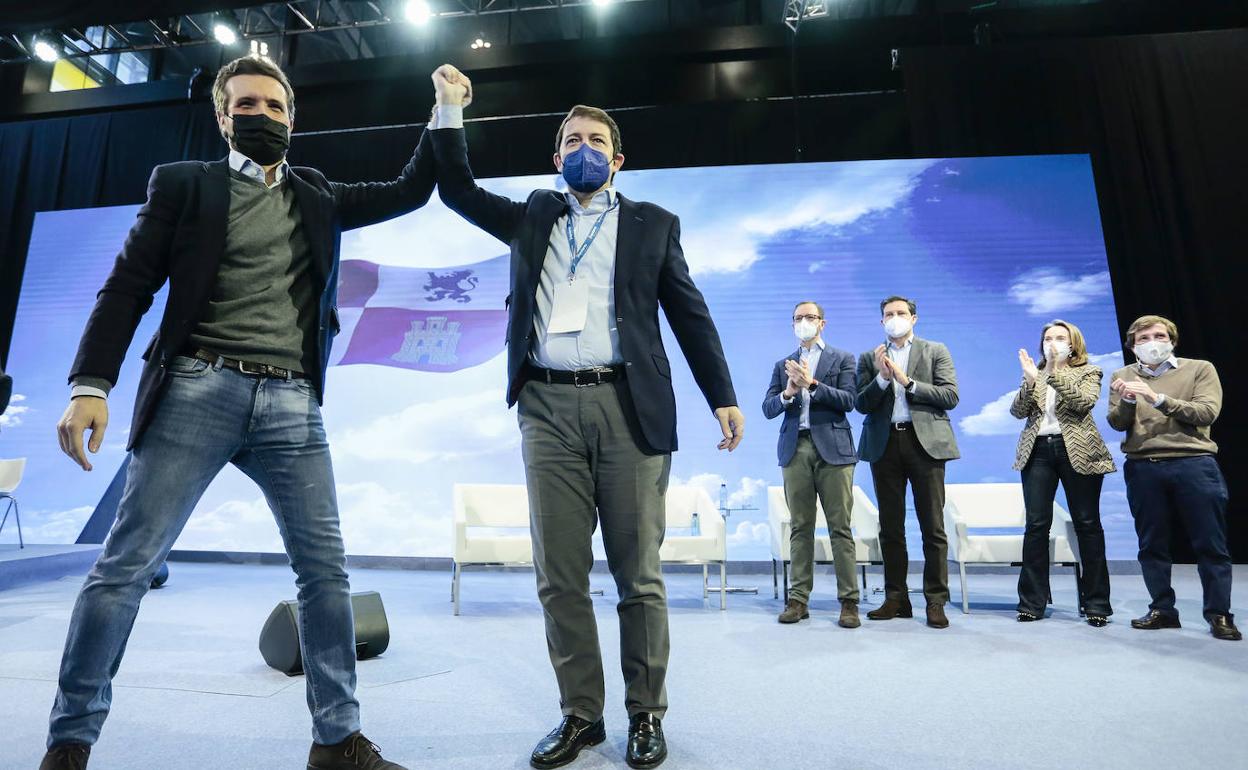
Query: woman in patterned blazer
{"points": [[1060, 442]]}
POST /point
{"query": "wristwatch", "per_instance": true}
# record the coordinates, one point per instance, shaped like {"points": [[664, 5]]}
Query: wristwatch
{"points": [[910, 387]]}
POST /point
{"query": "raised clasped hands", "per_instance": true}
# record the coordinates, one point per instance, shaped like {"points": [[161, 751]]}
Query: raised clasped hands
{"points": [[1030, 371], [451, 86]]}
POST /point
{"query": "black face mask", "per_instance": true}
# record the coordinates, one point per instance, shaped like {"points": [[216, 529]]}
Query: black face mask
{"points": [[261, 138]]}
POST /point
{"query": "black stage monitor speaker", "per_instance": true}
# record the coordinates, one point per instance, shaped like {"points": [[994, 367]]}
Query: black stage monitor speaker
{"points": [[279, 639]]}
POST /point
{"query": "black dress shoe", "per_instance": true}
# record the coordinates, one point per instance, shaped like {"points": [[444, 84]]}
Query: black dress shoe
{"points": [[1027, 617], [1223, 627], [354, 753], [1156, 619], [66, 756], [646, 745], [1098, 621], [565, 742]]}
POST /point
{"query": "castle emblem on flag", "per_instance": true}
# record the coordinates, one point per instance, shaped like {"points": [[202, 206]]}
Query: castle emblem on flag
{"points": [[450, 286], [431, 341]]}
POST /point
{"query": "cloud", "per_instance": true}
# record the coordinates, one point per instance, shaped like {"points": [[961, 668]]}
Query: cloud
{"points": [[12, 416], [750, 532], [738, 209], [1046, 291], [1107, 361], [994, 419], [55, 526], [746, 491], [435, 431]]}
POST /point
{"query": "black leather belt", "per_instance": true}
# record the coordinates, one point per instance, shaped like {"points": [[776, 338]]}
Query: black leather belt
{"points": [[247, 367], [903, 426], [581, 378]]}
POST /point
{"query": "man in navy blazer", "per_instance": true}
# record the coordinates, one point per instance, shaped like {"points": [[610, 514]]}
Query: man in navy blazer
{"points": [[590, 271], [236, 374], [814, 388]]}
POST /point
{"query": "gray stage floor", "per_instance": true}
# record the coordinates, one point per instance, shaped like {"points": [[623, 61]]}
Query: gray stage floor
{"points": [[746, 693]]}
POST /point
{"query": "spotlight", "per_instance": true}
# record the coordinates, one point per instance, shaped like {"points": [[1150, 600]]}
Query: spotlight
{"points": [[480, 43], [418, 12], [45, 49], [225, 29], [602, 3]]}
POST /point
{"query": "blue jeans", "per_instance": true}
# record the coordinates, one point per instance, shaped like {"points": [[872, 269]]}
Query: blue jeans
{"points": [[271, 430], [1190, 489]]}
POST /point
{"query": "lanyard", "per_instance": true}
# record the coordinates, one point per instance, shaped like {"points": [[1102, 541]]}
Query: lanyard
{"points": [[579, 254]]}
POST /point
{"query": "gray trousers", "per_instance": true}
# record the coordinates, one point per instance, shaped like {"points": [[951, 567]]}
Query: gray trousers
{"points": [[805, 477], [584, 465]]}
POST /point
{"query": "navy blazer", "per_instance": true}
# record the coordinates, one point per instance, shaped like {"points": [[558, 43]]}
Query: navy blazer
{"points": [[830, 400], [650, 271], [179, 236]]}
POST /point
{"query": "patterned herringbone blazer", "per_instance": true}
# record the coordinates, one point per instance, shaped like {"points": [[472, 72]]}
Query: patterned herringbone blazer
{"points": [[1078, 389]]}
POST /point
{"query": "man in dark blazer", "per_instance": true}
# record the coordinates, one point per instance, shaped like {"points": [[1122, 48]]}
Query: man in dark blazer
{"points": [[905, 388], [585, 362], [6, 390], [236, 374], [814, 388]]}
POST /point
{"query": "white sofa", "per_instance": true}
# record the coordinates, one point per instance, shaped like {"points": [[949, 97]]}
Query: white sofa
{"points": [[864, 521]]}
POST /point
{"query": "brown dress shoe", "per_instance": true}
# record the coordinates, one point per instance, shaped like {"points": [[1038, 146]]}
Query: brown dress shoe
{"points": [[892, 608], [1223, 627], [849, 614], [936, 615], [793, 612]]}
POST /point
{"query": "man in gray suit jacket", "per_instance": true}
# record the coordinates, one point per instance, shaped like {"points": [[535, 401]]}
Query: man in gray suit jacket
{"points": [[813, 388], [904, 389]]}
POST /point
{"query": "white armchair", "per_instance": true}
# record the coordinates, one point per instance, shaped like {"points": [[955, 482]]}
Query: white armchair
{"points": [[999, 506], [489, 507], [864, 520], [707, 545], [10, 476]]}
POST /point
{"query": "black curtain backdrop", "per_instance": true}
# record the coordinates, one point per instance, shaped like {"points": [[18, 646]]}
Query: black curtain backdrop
{"points": [[1164, 120], [1162, 117]]}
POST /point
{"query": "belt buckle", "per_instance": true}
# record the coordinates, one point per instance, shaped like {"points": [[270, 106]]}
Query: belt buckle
{"points": [[257, 372], [597, 371], [900, 426]]}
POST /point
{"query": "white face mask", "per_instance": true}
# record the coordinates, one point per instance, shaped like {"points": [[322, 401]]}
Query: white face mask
{"points": [[1058, 350], [806, 330], [1153, 352], [898, 326]]}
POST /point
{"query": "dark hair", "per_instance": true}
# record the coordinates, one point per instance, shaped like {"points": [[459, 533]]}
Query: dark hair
{"points": [[593, 113], [250, 65], [909, 303], [809, 302]]}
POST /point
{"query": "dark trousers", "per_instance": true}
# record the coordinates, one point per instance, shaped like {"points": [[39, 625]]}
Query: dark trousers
{"points": [[1191, 489], [585, 466], [1047, 466], [905, 460]]}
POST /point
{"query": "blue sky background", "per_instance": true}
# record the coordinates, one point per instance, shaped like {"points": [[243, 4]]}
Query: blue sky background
{"points": [[990, 248]]}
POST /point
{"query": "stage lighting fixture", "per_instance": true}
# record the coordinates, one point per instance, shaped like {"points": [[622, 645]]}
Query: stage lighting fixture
{"points": [[45, 49], [418, 12], [480, 43], [225, 30], [602, 3]]}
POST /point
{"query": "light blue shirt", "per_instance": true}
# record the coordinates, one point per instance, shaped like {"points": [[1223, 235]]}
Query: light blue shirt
{"points": [[598, 342], [809, 356], [253, 170], [901, 357]]}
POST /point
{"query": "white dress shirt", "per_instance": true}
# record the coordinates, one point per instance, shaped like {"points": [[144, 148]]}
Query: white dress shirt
{"points": [[900, 355], [810, 356]]}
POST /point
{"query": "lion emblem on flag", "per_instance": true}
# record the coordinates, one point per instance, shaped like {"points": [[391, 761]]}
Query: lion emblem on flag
{"points": [[453, 286]]}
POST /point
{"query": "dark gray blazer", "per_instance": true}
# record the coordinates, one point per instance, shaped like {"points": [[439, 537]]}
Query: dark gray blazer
{"points": [[831, 399], [935, 392]]}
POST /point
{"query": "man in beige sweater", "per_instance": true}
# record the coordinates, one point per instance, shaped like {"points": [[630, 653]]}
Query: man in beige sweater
{"points": [[1166, 405]]}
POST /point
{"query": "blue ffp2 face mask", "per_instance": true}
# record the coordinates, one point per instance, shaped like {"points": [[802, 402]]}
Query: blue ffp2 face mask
{"points": [[586, 169]]}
